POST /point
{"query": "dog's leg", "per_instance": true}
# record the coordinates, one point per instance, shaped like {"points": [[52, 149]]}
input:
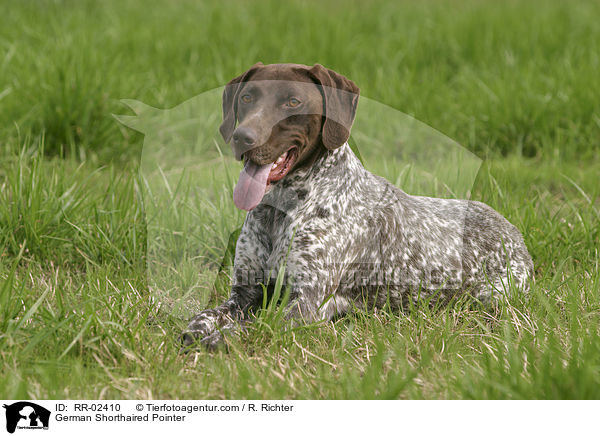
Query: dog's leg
{"points": [[308, 282], [209, 326]]}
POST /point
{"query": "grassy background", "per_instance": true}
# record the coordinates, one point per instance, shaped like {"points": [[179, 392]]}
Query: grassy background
{"points": [[515, 82]]}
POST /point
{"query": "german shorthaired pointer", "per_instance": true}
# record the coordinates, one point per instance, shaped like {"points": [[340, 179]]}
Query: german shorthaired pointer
{"points": [[346, 237]]}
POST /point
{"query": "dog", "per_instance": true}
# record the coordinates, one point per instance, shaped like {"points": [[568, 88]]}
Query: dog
{"points": [[345, 237]]}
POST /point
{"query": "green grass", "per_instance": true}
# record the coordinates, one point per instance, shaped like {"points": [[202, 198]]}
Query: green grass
{"points": [[80, 317]]}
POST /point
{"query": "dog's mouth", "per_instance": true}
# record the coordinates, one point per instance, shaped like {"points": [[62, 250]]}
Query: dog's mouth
{"points": [[282, 165], [255, 179]]}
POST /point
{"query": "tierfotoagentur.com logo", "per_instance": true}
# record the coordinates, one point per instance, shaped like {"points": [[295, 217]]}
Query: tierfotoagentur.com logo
{"points": [[25, 415]]}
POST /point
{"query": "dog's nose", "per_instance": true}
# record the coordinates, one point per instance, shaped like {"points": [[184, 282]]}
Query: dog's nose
{"points": [[244, 136], [244, 139]]}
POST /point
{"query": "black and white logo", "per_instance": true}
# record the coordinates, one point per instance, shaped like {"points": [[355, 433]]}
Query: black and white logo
{"points": [[26, 415]]}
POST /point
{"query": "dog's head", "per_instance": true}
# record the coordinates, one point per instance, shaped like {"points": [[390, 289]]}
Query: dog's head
{"points": [[286, 115]]}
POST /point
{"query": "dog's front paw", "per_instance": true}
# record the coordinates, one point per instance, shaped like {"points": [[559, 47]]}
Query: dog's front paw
{"points": [[200, 326], [213, 341], [210, 340], [204, 330]]}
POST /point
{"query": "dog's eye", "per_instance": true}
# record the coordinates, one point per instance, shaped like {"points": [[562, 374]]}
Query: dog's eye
{"points": [[293, 102], [246, 98]]}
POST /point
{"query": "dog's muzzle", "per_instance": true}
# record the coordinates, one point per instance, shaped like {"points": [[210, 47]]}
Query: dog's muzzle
{"points": [[244, 139]]}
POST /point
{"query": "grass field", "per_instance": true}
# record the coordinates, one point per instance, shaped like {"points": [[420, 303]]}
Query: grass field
{"points": [[514, 82]]}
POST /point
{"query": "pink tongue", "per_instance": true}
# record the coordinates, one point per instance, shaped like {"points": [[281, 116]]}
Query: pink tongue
{"points": [[251, 186]]}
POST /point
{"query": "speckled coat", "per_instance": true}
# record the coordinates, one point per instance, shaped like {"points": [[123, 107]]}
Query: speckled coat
{"points": [[349, 238]]}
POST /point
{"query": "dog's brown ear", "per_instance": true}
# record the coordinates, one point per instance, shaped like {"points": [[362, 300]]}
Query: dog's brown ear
{"points": [[340, 98], [230, 96]]}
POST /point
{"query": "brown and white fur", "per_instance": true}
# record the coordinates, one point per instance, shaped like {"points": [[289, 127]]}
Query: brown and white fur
{"points": [[346, 237]]}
